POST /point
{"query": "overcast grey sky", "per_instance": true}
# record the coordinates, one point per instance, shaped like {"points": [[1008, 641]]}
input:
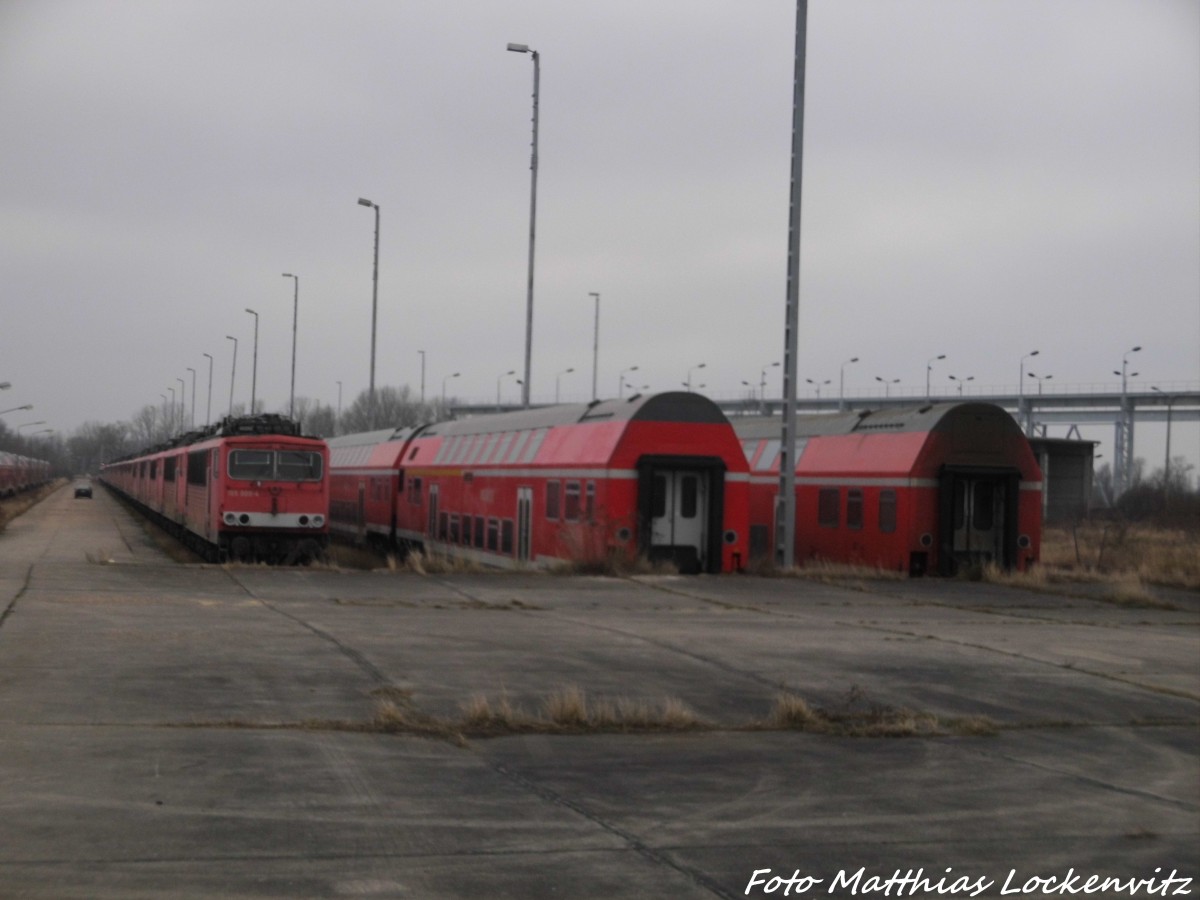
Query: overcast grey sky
{"points": [[982, 178]]}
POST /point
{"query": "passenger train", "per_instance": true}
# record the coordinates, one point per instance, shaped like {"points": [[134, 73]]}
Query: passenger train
{"points": [[656, 476], [248, 488], [21, 473], [938, 488]]}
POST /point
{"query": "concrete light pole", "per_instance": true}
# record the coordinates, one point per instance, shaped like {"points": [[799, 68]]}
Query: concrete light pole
{"points": [[232, 372], [254, 368], [374, 313], [208, 410], [295, 317], [533, 170]]}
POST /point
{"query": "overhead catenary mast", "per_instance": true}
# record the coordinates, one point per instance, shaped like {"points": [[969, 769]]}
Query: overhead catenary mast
{"points": [[785, 503]]}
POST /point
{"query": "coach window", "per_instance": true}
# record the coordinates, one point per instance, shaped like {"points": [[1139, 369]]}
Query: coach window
{"points": [[505, 443], [571, 502], [535, 442], [589, 506], [552, 500], [506, 537], [168, 468], [491, 449], [414, 492], [443, 526], [453, 535], [658, 497], [887, 511], [688, 489], [518, 445], [770, 455], [827, 508], [983, 512], [153, 469], [480, 531], [493, 534], [854, 508], [477, 454]]}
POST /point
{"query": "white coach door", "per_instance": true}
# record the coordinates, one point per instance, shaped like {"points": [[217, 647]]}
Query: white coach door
{"points": [[679, 517]]}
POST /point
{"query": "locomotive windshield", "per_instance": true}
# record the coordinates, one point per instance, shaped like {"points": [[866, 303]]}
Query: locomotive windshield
{"points": [[275, 465]]}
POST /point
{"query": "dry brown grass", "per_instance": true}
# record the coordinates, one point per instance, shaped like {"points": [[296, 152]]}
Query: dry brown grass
{"points": [[1154, 555], [12, 507], [569, 710], [823, 571], [856, 715]]}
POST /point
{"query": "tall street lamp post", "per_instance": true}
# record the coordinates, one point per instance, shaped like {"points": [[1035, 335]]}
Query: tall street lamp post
{"points": [[533, 170], [1023, 414], [1123, 441], [498, 380], [254, 367], [928, 371], [444, 380], [621, 381], [842, 383], [887, 385], [595, 344], [556, 380], [961, 382], [422, 352], [208, 410], [762, 386], [171, 412], [193, 420], [232, 372], [374, 313], [182, 402], [295, 316], [1171, 398]]}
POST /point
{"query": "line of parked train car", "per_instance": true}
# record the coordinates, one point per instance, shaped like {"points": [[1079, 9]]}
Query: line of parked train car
{"points": [[21, 473], [249, 488], [665, 477]]}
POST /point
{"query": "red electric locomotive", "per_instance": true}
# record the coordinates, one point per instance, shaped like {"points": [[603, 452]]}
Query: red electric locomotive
{"points": [[660, 476], [934, 488], [249, 488]]}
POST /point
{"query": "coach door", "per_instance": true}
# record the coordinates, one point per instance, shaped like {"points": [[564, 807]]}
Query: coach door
{"points": [[680, 516], [524, 523], [432, 524], [981, 514]]}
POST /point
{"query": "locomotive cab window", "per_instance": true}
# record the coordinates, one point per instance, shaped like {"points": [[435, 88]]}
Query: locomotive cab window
{"points": [[275, 465], [297, 465], [250, 465]]}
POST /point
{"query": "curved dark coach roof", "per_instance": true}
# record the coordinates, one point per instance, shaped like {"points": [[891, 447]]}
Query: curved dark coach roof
{"points": [[927, 417], [672, 406]]}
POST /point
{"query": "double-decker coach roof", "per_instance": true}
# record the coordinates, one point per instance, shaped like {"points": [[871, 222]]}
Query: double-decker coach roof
{"points": [[672, 406], [927, 417]]}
